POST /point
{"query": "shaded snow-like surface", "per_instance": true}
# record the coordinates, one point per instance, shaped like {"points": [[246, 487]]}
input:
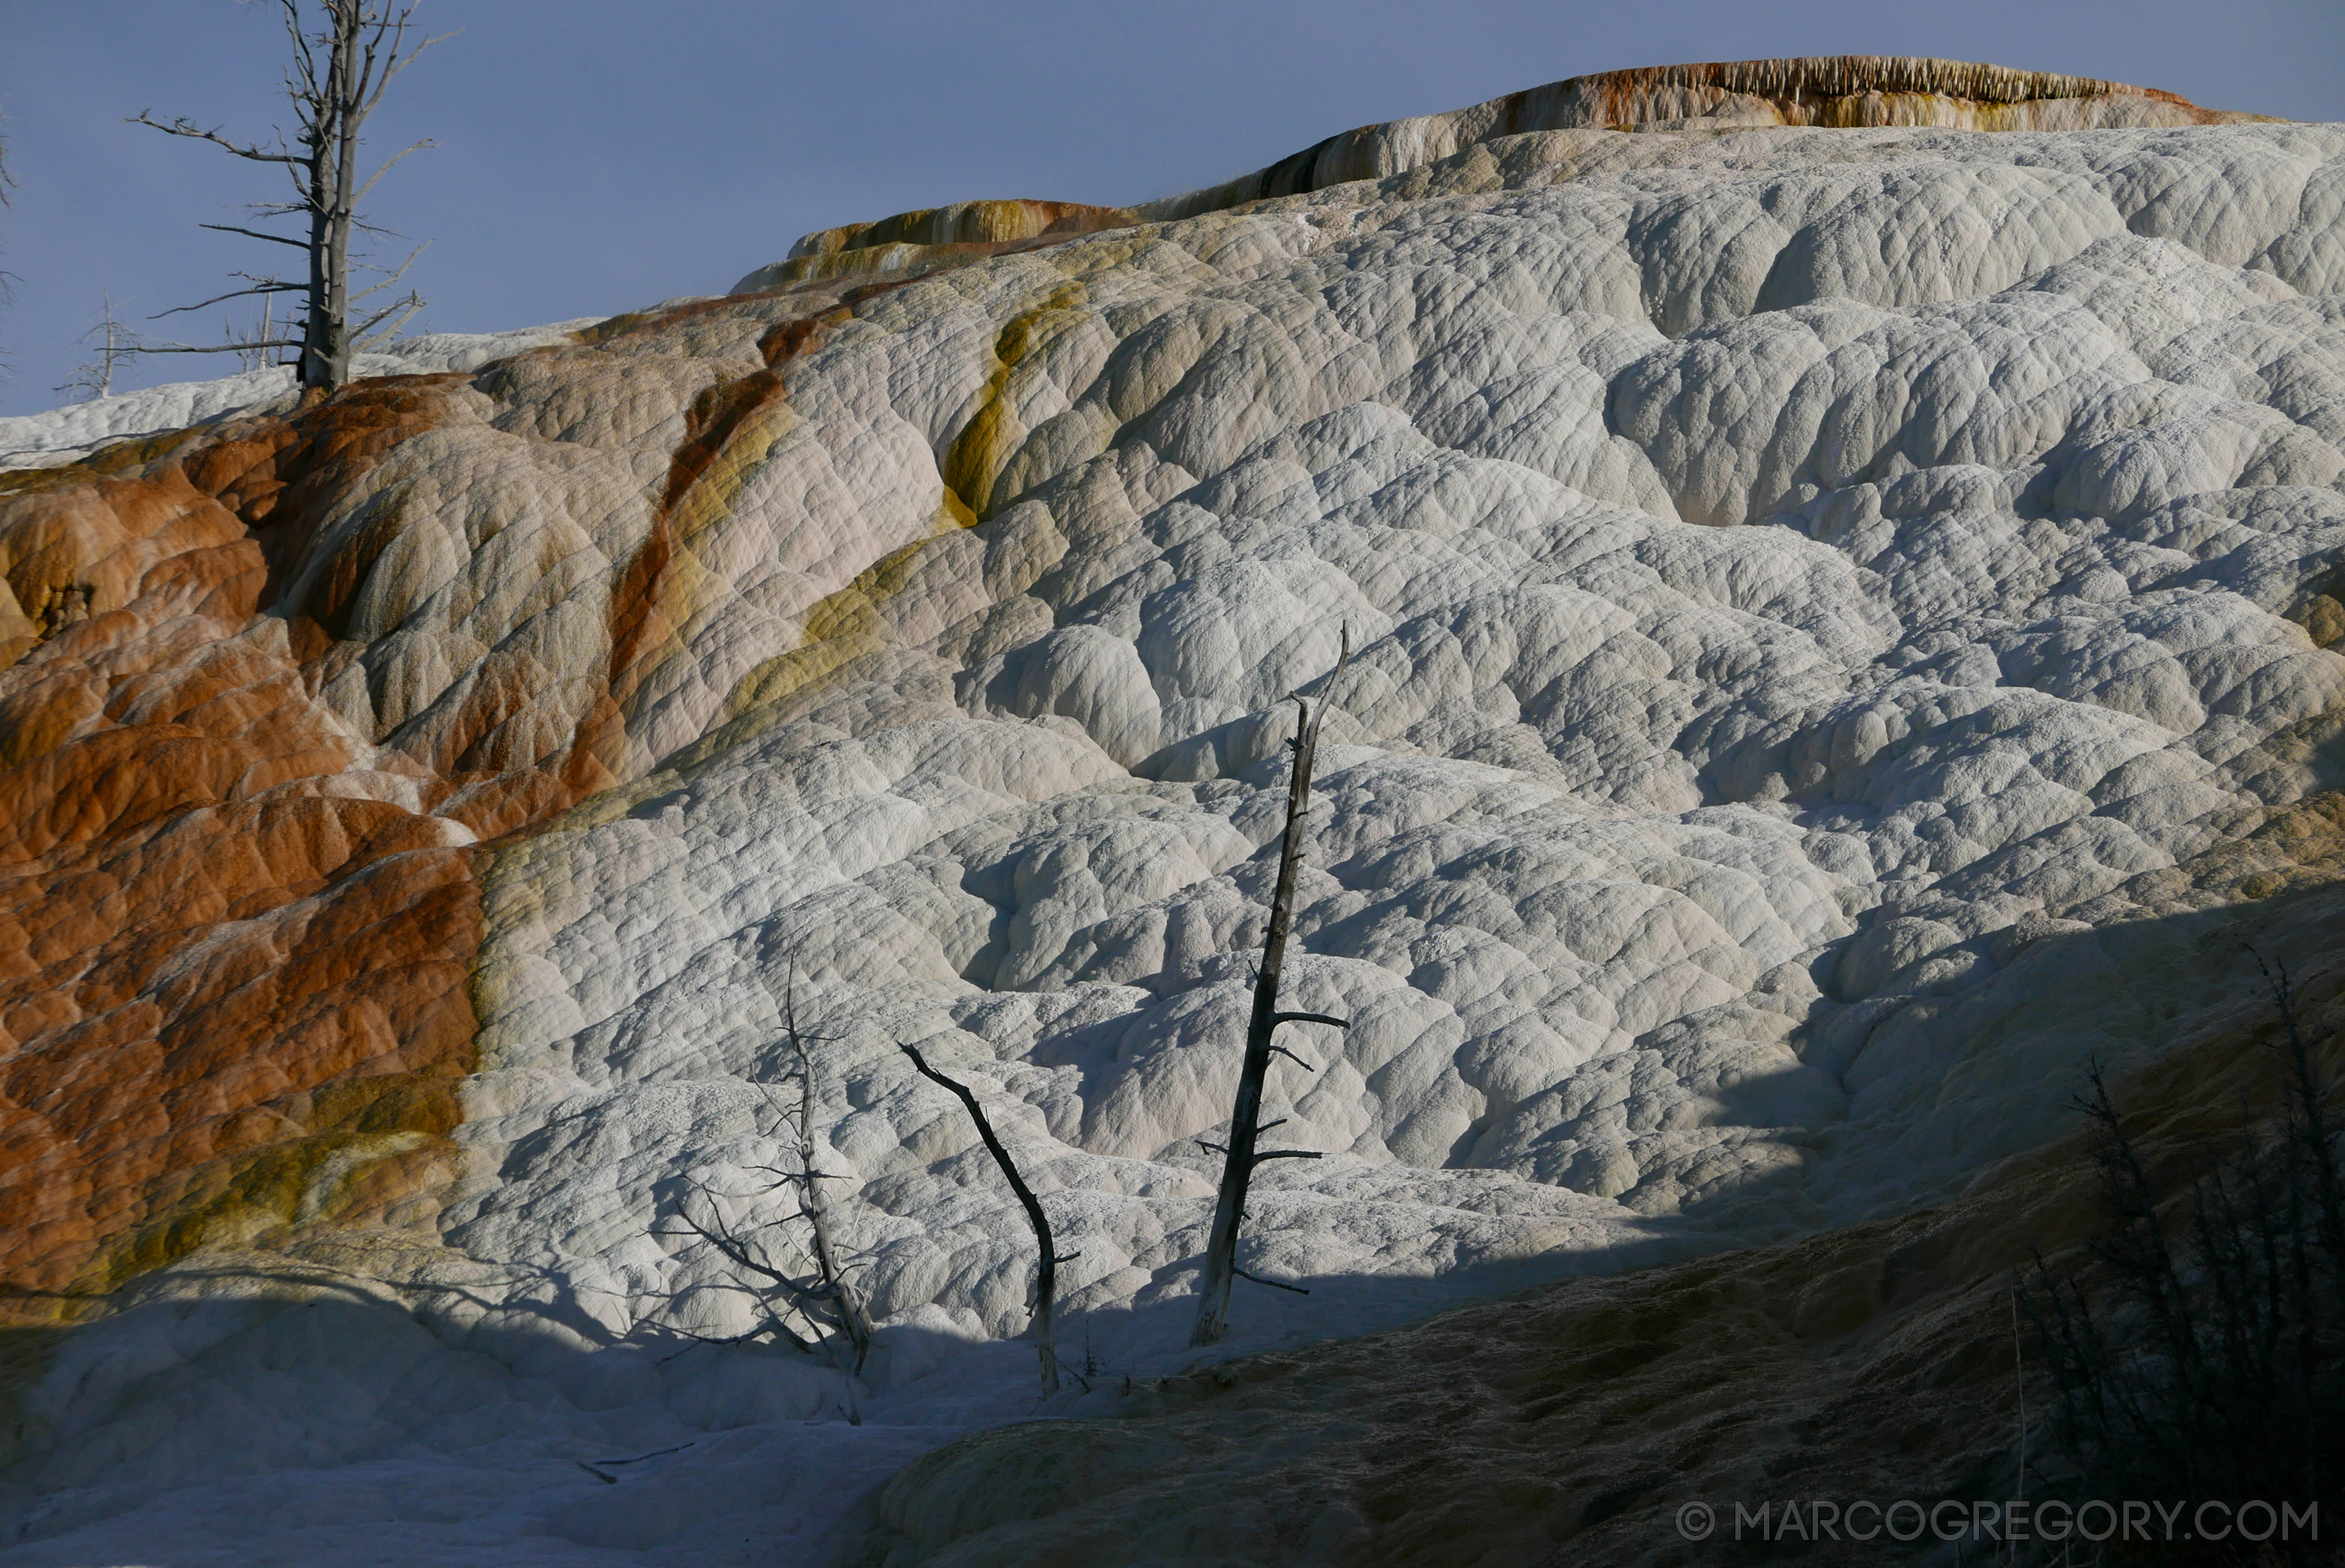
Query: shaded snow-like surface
{"points": [[1792, 574], [68, 434]]}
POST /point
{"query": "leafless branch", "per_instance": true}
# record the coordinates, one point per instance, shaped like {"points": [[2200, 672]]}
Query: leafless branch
{"points": [[260, 286], [795, 1175], [253, 233], [388, 164], [695, 1341], [1046, 1271], [1273, 1284], [403, 62], [596, 1470], [394, 275], [654, 1454], [396, 313], [242, 345], [182, 126]]}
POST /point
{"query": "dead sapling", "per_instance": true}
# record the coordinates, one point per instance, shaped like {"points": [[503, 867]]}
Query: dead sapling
{"points": [[110, 344], [1046, 1273], [1240, 1157], [829, 1316]]}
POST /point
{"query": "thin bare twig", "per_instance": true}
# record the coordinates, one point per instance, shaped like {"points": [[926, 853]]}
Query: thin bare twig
{"points": [[252, 234], [1273, 1284], [243, 345], [394, 275]]}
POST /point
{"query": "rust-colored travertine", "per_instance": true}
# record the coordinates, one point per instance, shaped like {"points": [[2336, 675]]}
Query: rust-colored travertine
{"points": [[237, 935], [1841, 91], [232, 975]]}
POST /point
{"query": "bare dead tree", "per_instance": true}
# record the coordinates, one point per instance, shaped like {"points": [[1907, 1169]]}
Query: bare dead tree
{"points": [[111, 343], [1047, 1275], [1241, 1158], [828, 1307], [339, 73], [7, 279], [813, 1205]]}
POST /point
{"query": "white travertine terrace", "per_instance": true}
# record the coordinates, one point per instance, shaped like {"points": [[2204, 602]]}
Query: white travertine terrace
{"points": [[1794, 571], [1791, 570]]}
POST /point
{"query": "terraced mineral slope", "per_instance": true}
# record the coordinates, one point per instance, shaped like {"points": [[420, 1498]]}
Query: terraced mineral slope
{"points": [[1833, 589]]}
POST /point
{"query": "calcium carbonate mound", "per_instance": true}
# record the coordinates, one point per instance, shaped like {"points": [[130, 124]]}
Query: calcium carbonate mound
{"points": [[1804, 582]]}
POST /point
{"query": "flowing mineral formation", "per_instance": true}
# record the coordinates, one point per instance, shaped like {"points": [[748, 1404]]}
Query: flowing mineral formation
{"points": [[1832, 588]]}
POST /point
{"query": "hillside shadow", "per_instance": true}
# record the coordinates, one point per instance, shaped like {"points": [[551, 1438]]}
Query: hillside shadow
{"points": [[1943, 1085], [242, 1382]]}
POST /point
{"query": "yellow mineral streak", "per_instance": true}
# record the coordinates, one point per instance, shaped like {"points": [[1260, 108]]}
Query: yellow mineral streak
{"points": [[993, 435], [839, 628]]}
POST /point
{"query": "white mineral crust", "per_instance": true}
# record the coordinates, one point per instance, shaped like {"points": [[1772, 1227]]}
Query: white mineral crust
{"points": [[1787, 568]]}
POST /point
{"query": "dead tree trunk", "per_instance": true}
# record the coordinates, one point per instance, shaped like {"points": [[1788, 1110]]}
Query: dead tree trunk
{"points": [[338, 75], [333, 173], [1047, 1275], [1239, 1159]]}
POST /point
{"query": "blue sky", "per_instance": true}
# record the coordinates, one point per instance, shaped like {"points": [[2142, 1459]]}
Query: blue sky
{"points": [[597, 156]]}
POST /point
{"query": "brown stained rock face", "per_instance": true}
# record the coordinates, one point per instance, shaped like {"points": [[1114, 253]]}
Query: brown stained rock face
{"points": [[963, 231], [235, 934], [233, 965]]}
